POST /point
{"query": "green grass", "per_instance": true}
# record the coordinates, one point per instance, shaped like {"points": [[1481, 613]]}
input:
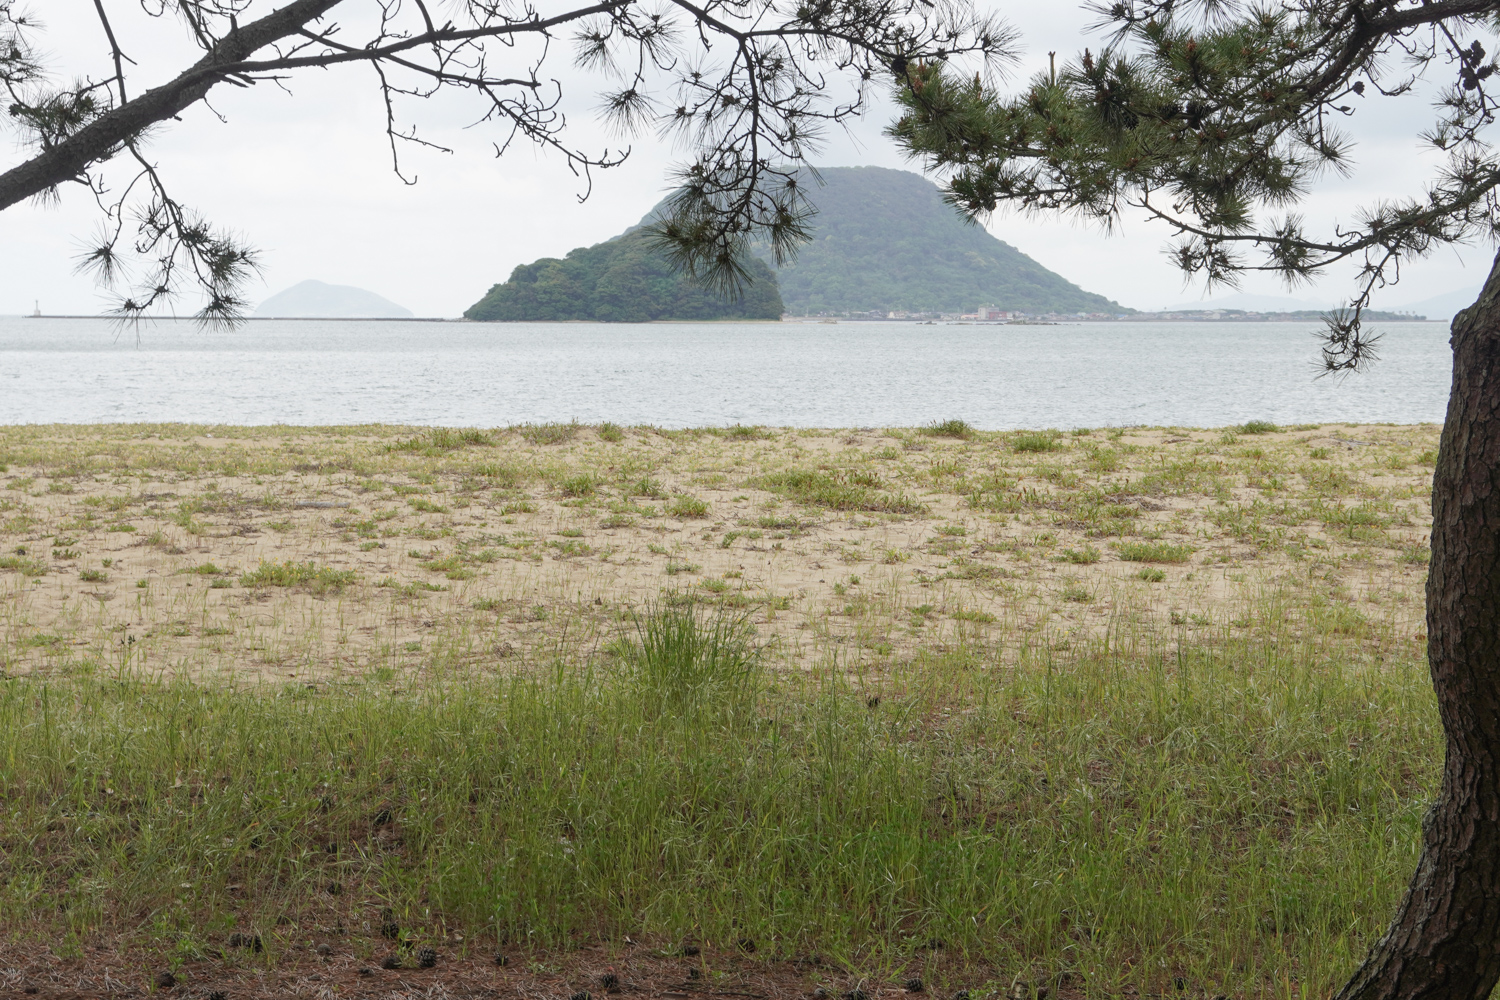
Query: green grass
{"points": [[578, 486], [1257, 427], [686, 506], [1155, 552], [839, 490], [548, 433], [310, 576], [950, 428], [1035, 441], [442, 439], [21, 564], [1240, 816]]}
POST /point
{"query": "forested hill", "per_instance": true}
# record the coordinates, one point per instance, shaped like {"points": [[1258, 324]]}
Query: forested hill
{"points": [[882, 240], [619, 281], [885, 240]]}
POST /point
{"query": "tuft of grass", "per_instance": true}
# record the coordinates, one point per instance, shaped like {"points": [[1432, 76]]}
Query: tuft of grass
{"points": [[203, 569], [686, 506], [613, 433], [738, 432], [548, 433], [839, 490], [1156, 552], [950, 428], [1086, 556], [1151, 574], [683, 657], [441, 439], [306, 575], [93, 576], [1257, 427], [646, 487], [579, 486], [1035, 441]]}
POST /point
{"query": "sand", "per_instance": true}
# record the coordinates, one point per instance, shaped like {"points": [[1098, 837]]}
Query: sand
{"points": [[141, 550]]}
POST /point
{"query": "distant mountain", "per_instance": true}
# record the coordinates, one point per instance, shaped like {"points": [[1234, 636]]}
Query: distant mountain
{"points": [[885, 240], [622, 280], [1443, 307], [315, 299]]}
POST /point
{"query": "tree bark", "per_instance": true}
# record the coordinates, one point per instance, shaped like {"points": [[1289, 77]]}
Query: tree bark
{"points": [[1445, 938]]}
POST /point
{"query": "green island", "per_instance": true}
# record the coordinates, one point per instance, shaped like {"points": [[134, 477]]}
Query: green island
{"points": [[623, 280], [885, 241], [882, 241], [1138, 711]]}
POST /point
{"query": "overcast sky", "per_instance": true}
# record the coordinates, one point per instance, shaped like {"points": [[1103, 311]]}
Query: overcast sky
{"points": [[305, 176]]}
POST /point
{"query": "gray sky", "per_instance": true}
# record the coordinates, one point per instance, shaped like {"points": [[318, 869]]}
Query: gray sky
{"points": [[306, 178]]}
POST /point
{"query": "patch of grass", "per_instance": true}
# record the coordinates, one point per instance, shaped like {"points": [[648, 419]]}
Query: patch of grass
{"points": [[950, 428], [1416, 555], [839, 490], [1151, 574], [305, 575], [93, 576], [686, 506], [1155, 552], [23, 565], [545, 434], [674, 568], [203, 569], [1086, 556], [1257, 427], [441, 439], [646, 487], [412, 588], [1034, 441], [570, 547], [40, 640], [578, 486], [612, 433], [741, 433], [426, 506]]}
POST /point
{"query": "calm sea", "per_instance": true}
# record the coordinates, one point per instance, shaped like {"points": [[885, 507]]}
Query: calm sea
{"points": [[686, 375]]}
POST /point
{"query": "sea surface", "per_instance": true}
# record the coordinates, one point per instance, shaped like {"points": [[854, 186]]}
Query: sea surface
{"points": [[690, 375]]}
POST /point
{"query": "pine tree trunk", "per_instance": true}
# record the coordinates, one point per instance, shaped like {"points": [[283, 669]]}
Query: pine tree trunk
{"points": [[1445, 938]]}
